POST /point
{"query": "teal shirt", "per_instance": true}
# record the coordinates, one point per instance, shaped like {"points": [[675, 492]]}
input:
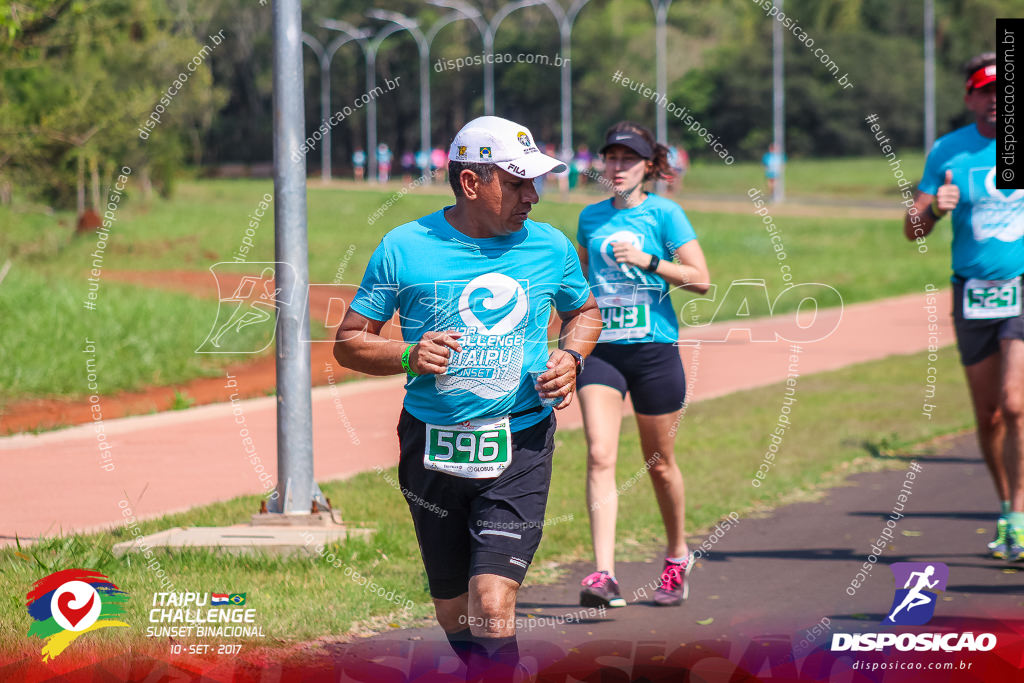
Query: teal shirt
{"points": [[627, 294], [988, 223], [498, 292]]}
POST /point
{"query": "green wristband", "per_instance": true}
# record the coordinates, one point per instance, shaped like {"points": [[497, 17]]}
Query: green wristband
{"points": [[405, 361]]}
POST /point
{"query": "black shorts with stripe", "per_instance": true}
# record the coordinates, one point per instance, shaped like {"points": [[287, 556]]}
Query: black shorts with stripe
{"points": [[978, 339], [467, 527]]}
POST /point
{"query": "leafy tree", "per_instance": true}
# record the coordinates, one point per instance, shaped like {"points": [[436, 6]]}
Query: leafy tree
{"points": [[79, 78]]}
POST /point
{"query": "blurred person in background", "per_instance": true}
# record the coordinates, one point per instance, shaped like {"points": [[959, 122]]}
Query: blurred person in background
{"points": [[773, 163], [383, 162], [359, 164]]}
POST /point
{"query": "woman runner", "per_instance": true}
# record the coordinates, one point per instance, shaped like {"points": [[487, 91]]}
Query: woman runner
{"points": [[635, 247]]}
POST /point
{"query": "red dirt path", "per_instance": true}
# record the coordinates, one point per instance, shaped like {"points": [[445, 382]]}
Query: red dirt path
{"points": [[256, 377]]}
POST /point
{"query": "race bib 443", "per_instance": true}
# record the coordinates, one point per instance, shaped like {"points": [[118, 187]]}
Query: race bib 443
{"points": [[625, 322]]}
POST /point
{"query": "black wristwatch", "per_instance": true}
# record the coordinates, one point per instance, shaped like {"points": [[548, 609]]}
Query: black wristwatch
{"points": [[578, 358], [653, 265]]}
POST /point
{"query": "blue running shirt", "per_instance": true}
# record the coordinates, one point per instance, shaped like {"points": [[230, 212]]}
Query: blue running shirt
{"points": [[635, 304], [988, 223], [497, 291]]}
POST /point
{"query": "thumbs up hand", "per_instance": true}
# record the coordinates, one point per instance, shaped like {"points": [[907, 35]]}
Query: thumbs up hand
{"points": [[947, 197]]}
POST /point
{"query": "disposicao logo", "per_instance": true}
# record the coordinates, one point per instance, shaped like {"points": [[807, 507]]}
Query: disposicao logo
{"points": [[68, 603], [913, 604]]}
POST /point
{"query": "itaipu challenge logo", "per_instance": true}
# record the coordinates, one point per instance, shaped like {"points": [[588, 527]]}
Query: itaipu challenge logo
{"points": [[69, 603]]}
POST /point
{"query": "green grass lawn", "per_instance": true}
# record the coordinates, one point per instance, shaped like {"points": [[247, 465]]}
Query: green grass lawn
{"points": [[207, 220], [841, 422], [843, 180], [141, 336]]}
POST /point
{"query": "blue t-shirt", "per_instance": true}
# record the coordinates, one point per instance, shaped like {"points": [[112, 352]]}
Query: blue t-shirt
{"points": [[988, 223], [635, 304], [497, 291], [772, 162]]}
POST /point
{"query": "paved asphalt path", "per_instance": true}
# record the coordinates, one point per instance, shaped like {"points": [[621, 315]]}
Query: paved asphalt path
{"points": [[765, 584]]}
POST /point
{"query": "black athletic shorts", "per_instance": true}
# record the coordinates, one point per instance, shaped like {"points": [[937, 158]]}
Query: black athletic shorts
{"points": [[651, 372], [467, 526], [979, 339]]}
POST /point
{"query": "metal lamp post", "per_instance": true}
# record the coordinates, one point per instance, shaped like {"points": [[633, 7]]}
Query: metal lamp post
{"points": [[660, 68], [565, 21], [370, 48], [779, 104], [412, 26], [324, 56], [295, 485], [929, 74], [487, 32], [467, 11]]}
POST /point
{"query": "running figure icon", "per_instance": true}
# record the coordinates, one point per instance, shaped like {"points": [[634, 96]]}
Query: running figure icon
{"points": [[915, 596], [249, 296]]}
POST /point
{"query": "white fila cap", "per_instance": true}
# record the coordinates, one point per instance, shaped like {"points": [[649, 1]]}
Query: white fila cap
{"points": [[504, 143]]}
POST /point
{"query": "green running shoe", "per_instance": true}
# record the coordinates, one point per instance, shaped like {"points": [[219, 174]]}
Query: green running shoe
{"points": [[1015, 544], [998, 545]]}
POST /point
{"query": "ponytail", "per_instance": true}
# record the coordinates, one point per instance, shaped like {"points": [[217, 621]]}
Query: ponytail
{"points": [[661, 169]]}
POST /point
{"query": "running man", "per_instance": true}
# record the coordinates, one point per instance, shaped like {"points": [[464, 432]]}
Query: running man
{"points": [[915, 597], [988, 259], [628, 244], [474, 285]]}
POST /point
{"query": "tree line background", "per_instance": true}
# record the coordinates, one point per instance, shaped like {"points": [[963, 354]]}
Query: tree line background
{"points": [[79, 77]]}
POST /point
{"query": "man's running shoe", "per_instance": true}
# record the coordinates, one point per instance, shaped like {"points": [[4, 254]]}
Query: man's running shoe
{"points": [[1015, 543], [674, 588], [998, 545], [601, 590]]}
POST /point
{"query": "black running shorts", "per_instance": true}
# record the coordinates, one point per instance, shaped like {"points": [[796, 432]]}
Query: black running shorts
{"points": [[652, 373], [466, 526], [979, 339]]}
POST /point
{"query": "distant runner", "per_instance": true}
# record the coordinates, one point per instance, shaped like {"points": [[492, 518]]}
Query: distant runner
{"points": [[635, 246], [988, 260], [474, 285], [773, 162]]}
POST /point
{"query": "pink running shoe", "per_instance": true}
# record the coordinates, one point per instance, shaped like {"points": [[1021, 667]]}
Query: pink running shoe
{"points": [[601, 590], [673, 589]]}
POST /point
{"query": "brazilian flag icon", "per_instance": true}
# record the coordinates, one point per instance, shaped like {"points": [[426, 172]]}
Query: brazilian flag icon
{"points": [[237, 598]]}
